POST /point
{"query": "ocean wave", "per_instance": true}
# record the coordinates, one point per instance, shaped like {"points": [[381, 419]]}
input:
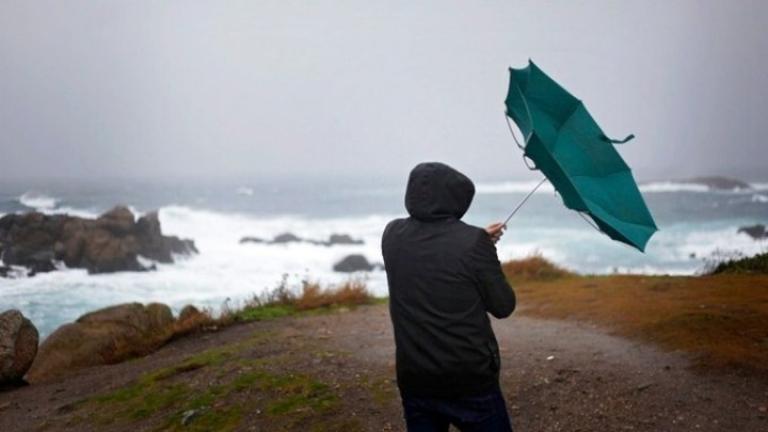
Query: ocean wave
{"points": [[758, 198], [507, 187], [525, 186], [673, 187], [38, 201], [224, 268]]}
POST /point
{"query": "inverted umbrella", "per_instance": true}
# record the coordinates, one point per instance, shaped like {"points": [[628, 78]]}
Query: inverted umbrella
{"points": [[569, 148]]}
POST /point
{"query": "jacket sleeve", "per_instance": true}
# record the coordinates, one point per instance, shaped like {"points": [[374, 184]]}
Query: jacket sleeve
{"points": [[498, 296]]}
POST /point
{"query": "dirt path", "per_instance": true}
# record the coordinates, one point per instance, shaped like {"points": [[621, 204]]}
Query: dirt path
{"points": [[556, 376]]}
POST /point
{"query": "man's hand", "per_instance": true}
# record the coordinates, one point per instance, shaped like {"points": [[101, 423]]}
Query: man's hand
{"points": [[495, 231]]}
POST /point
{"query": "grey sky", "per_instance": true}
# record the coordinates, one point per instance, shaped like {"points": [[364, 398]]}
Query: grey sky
{"points": [[257, 88]]}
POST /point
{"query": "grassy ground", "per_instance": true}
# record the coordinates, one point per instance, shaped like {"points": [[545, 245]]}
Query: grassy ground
{"points": [[722, 318], [257, 380]]}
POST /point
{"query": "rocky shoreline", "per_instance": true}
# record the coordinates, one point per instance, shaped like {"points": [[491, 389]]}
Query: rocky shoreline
{"points": [[105, 336], [112, 242]]}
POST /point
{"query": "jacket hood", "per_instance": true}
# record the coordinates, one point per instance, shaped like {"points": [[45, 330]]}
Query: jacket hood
{"points": [[437, 191]]}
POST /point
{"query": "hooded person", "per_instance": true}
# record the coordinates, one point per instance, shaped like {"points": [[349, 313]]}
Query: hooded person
{"points": [[444, 279]]}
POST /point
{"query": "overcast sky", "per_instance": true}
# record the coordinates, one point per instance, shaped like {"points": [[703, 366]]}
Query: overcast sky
{"points": [[256, 88]]}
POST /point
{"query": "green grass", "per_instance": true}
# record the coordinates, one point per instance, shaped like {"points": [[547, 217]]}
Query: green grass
{"points": [[267, 312], [274, 311], [291, 398]]}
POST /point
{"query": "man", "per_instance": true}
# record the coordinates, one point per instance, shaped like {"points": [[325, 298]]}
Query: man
{"points": [[444, 277]]}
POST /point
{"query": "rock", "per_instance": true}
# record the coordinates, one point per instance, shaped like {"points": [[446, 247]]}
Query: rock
{"points": [[188, 416], [160, 315], [118, 221], [105, 336], [342, 239], [5, 271], [106, 253], [110, 243], [334, 239], [286, 238], [18, 345], [154, 245], [251, 240], [188, 312], [757, 232], [353, 263]]}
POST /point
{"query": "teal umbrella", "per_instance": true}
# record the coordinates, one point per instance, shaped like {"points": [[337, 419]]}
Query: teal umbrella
{"points": [[565, 143]]}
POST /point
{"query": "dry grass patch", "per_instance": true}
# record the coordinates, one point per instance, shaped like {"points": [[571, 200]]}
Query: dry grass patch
{"points": [[723, 318], [351, 293], [533, 267]]}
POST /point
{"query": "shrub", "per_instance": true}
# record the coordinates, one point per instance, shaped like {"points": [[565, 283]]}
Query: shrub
{"points": [[535, 267]]}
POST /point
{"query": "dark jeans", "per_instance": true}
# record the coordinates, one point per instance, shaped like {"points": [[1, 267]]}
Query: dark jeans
{"points": [[484, 413]]}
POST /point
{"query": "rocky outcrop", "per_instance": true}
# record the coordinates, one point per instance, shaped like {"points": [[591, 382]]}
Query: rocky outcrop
{"points": [[342, 239], [189, 312], [112, 242], [353, 263], [252, 240], [334, 239], [286, 238], [18, 346], [105, 336], [757, 232]]}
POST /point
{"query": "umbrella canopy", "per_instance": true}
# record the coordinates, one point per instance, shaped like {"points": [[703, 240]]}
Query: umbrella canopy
{"points": [[570, 149]]}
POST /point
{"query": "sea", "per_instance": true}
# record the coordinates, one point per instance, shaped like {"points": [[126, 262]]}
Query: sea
{"points": [[696, 225]]}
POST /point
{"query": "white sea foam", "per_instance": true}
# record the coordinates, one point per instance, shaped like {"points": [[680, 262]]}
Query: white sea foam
{"points": [[223, 269], [526, 186], [227, 269], [673, 187], [511, 187], [38, 201], [758, 198]]}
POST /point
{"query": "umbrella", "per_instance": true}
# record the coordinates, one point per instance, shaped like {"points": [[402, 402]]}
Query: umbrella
{"points": [[565, 143]]}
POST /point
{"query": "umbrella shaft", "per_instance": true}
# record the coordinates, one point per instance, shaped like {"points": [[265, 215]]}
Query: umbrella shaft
{"points": [[525, 199]]}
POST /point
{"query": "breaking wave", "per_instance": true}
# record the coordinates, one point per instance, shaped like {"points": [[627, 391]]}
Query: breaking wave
{"points": [[525, 186], [38, 201]]}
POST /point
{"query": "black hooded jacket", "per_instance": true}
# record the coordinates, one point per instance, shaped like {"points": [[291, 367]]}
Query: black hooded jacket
{"points": [[444, 277]]}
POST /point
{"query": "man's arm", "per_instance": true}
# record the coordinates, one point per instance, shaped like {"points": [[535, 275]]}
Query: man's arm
{"points": [[498, 297]]}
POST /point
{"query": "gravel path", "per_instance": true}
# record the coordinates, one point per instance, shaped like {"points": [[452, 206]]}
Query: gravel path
{"points": [[556, 376]]}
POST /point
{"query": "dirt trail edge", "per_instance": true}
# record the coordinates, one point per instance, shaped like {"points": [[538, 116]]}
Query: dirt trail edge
{"points": [[336, 372]]}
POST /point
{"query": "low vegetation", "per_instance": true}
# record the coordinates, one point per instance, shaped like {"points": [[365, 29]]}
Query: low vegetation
{"points": [[533, 267], [279, 302], [217, 390], [737, 263], [722, 318]]}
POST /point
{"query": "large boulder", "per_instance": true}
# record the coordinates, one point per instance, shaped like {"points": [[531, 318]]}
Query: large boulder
{"points": [[18, 346], [112, 242], [154, 245], [118, 221], [353, 263], [105, 336]]}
